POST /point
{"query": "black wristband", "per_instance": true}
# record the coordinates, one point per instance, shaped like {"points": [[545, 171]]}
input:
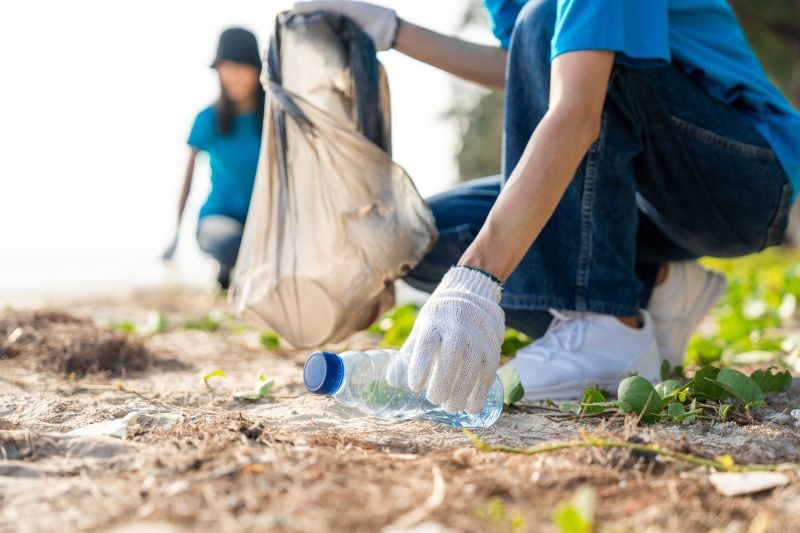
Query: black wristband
{"points": [[487, 274], [396, 31]]}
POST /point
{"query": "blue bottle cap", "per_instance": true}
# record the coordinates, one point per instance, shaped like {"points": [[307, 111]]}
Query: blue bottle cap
{"points": [[323, 373]]}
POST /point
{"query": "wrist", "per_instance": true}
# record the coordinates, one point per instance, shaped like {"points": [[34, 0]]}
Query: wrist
{"points": [[474, 280], [398, 24], [482, 271]]}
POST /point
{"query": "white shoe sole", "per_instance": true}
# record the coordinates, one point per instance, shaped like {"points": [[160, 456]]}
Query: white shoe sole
{"points": [[647, 366], [573, 390]]}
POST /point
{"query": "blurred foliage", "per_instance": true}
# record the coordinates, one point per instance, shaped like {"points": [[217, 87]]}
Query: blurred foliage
{"points": [[395, 325], [269, 340], [216, 320], [751, 319], [478, 114], [500, 517], [773, 29], [513, 341]]}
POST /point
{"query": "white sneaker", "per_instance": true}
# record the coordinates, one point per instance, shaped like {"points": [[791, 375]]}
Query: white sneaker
{"points": [[580, 350], [679, 304]]}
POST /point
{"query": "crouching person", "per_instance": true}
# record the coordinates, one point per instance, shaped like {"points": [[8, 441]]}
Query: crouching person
{"points": [[639, 136]]}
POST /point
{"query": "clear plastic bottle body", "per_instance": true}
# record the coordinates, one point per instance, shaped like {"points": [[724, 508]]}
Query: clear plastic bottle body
{"points": [[375, 382]]}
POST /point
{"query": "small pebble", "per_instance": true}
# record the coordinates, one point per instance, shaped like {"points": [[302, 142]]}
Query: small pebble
{"points": [[796, 414], [779, 418]]}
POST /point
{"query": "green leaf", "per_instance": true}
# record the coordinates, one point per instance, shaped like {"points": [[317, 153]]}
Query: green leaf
{"points": [[270, 340], [689, 417], [702, 384], [640, 394], [570, 407], [691, 414], [126, 327], [216, 373], [724, 409], [739, 386], [754, 405], [512, 388], [592, 396], [668, 387], [665, 370], [206, 324], [262, 388], [675, 409], [577, 515], [513, 341], [619, 405], [770, 382]]}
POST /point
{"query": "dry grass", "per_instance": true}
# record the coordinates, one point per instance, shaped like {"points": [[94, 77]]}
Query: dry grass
{"points": [[201, 460]]}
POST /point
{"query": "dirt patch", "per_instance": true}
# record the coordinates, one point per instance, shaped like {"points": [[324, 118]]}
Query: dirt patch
{"points": [[198, 459], [60, 342]]}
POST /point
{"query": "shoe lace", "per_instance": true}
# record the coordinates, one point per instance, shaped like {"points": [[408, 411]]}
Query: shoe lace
{"points": [[567, 330]]}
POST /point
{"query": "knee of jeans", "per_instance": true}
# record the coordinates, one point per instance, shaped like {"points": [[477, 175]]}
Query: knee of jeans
{"points": [[535, 25], [224, 247]]}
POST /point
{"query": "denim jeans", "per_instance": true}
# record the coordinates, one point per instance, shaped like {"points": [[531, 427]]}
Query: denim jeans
{"points": [[220, 237], [674, 175]]}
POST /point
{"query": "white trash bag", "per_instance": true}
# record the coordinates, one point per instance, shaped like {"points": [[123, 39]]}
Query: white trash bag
{"points": [[333, 221]]}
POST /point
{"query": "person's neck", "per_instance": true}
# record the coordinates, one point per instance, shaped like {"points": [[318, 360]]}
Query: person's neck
{"points": [[245, 106]]}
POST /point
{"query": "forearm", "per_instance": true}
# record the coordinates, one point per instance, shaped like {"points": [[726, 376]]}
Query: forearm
{"points": [[187, 185], [532, 193], [481, 64]]}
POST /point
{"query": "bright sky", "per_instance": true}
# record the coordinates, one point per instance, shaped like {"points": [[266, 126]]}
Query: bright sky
{"points": [[96, 104]]}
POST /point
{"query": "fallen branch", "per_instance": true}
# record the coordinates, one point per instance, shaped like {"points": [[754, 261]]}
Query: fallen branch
{"points": [[726, 465]]}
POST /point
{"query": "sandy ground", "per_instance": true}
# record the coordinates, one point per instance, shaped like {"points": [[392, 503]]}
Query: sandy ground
{"points": [[199, 459]]}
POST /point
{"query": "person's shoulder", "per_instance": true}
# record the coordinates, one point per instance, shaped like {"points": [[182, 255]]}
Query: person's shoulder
{"points": [[207, 115], [204, 129]]}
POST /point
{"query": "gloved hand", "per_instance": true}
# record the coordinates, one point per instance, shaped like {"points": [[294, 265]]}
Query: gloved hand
{"points": [[380, 23], [454, 346]]}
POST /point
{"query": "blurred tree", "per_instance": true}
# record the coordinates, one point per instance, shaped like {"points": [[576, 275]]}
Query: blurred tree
{"points": [[773, 29], [478, 114]]}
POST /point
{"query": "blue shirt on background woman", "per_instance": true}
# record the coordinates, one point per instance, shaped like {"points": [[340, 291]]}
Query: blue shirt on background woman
{"points": [[229, 131]]}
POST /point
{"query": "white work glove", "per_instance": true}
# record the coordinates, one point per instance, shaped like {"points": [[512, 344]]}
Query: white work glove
{"points": [[380, 23], [454, 346]]}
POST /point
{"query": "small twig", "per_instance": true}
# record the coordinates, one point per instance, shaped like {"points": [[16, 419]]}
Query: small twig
{"points": [[416, 515], [18, 382], [535, 406], [602, 443]]}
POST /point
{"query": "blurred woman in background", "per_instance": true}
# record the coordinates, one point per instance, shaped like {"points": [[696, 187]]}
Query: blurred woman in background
{"points": [[230, 132]]}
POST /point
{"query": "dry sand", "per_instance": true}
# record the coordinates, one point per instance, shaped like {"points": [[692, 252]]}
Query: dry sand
{"points": [[200, 459]]}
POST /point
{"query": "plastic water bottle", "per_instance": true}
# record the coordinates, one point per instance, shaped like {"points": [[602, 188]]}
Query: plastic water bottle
{"points": [[376, 383]]}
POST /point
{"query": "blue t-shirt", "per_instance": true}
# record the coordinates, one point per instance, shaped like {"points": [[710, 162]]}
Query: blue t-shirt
{"points": [[233, 158], [702, 36]]}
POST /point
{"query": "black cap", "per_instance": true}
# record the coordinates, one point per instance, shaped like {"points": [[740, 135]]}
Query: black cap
{"points": [[238, 45]]}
